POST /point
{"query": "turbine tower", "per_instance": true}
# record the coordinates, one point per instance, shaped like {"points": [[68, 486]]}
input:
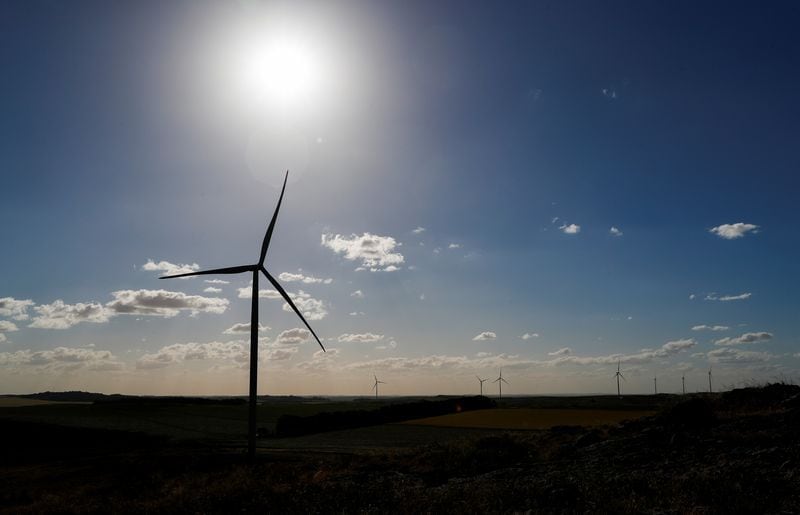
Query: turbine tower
{"points": [[655, 385], [709, 380], [375, 386], [618, 375], [255, 269], [481, 380], [683, 382], [500, 382]]}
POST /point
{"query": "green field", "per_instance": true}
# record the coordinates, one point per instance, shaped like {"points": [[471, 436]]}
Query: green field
{"points": [[524, 418]]}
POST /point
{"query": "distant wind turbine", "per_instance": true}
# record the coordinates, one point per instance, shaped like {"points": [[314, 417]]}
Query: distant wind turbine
{"points": [[709, 380], [258, 267], [481, 380], [500, 382], [375, 386], [655, 385], [683, 382], [618, 375]]}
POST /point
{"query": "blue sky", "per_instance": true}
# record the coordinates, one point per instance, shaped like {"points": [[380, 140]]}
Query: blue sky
{"points": [[486, 151]]}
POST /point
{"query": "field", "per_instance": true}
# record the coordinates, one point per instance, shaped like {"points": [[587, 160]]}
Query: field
{"points": [[722, 453]]}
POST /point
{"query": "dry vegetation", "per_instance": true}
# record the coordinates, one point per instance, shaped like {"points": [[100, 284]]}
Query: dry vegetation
{"points": [[522, 418]]}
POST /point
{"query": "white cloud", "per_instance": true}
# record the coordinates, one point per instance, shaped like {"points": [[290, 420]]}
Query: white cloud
{"points": [[216, 281], [564, 351], [14, 308], [454, 246], [745, 338], [170, 268], [609, 93], [360, 338], [733, 231], [705, 327], [163, 303], [528, 336], [376, 253], [733, 355], [356, 313], [235, 351], [357, 294], [293, 336], [211, 289], [305, 279], [570, 229], [728, 298], [247, 293], [311, 308], [484, 336], [61, 359], [419, 230], [7, 327], [59, 315], [644, 356], [692, 296], [615, 231], [244, 327]]}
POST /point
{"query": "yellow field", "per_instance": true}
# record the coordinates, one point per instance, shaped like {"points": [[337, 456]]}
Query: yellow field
{"points": [[530, 418]]}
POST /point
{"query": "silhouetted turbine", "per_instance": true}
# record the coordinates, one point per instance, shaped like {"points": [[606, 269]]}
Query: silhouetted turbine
{"points": [[481, 380], [375, 386], [618, 375], [251, 442], [500, 382], [655, 385], [709, 380]]}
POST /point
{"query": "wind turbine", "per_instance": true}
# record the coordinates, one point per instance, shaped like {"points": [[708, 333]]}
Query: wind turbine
{"points": [[481, 380], [375, 386], [500, 382], [258, 267], [655, 385], [618, 375], [709, 380], [683, 382]]}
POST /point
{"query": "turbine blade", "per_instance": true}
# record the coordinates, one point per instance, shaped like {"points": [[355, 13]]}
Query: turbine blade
{"points": [[229, 270], [268, 236], [288, 300], [504, 381]]}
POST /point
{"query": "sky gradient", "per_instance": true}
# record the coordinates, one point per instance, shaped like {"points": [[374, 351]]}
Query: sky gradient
{"points": [[546, 188]]}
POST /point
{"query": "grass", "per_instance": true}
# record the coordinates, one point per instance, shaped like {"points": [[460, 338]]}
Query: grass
{"points": [[523, 418]]}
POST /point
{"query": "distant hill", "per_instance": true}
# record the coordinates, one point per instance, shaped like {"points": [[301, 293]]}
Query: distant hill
{"points": [[78, 396], [72, 396]]}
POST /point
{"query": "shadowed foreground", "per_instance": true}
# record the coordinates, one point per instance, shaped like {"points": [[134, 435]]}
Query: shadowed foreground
{"points": [[735, 452]]}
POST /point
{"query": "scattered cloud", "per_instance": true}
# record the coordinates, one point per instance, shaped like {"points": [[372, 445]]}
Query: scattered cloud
{"points": [[305, 279], [733, 355], [564, 351], [14, 308], [311, 308], [692, 296], [357, 294], [247, 293], [733, 231], [235, 351], [62, 359], [294, 336], [485, 336], [745, 338], [170, 268], [528, 336], [570, 229], [454, 246], [216, 281], [609, 93], [419, 230], [360, 338], [59, 315], [244, 327], [728, 298], [704, 327], [356, 313], [211, 289], [7, 327], [376, 253], [615, 231], [163, 303]]}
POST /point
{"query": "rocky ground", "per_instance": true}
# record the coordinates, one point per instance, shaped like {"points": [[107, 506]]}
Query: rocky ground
{"points": [[736, 452]]}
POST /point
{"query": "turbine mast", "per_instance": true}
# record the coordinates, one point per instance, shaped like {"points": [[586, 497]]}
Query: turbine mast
{"points": [[251, 433]]}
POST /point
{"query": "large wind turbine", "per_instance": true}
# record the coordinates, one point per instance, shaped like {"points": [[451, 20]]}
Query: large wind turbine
{"points": [[482, 381], [683, 383], [618, 375], [500, 382], [375, 386], [655, 385], [255, 269], [709, 380]]}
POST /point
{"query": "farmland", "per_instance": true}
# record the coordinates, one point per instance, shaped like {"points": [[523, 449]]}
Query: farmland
{"points": [[524, 418]]}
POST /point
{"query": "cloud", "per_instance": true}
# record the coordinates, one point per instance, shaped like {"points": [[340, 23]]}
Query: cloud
{"points": [[244, 327], [7, 327], [454, 246], [211, 289], [733, 231], [644, 356], [360, 338], [615, 232], [247, 293], [357, 294], [419, 230], [14, 308], [609, 93], [745, 338], [733, 355], [356, 313], [376, 253], [570, 229], [3, 338], [528, 336], [728, 298], [163, 303], [312, 308], [59, 315], [306, 279], [235, 351], [216, 281], [704, 327], [485, 336], [294, 336], [62, 359], [564, 351], [170, 268]]}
